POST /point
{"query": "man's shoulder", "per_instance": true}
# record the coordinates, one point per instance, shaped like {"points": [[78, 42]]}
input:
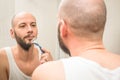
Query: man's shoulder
{"points": [[52, 70], [48, 66], [3, 64], [2, 52], [3, 59]]}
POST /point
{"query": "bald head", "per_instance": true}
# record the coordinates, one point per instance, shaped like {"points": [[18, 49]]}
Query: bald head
{"points": [[21, 16], [86, 18]]}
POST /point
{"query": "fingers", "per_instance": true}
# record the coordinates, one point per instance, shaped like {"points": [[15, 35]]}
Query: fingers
{"points": [[46, 51], [46, 56]]}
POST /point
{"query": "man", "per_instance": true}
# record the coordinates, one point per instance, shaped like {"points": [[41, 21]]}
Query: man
{"points": [[18, 62], [81, 26]]}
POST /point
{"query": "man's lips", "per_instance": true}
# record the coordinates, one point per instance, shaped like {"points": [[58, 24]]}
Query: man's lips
{"points": [[29, 38]]}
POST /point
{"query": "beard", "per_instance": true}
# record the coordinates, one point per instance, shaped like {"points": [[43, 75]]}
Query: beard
{"points": [[22, 43], [61, 43]]}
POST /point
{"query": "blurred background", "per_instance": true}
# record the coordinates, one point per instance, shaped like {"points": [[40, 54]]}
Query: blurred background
{"points": [[45, 12]]}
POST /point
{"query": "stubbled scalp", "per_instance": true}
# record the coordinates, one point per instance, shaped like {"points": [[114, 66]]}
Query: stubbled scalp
{"points": [[85, 17], [17, 16]]}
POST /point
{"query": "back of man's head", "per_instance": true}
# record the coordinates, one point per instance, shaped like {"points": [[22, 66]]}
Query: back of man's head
{"points": [[86, 18]]}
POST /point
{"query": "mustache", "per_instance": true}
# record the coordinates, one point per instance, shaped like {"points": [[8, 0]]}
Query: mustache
{"points": [[29, 35]]}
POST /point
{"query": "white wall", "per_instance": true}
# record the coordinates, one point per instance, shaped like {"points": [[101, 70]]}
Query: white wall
{"points": [[46, 13], [6, 12], [112, 30]]}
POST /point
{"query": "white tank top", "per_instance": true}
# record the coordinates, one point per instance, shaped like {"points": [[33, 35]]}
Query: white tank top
{"points": [[15, 72], [77, 68]]}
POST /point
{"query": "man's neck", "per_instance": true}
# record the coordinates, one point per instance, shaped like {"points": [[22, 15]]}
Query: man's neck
{"points": [[22, 54], [79, 48]]}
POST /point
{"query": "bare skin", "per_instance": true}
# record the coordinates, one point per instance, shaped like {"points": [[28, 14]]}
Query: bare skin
{"points": [[81, 34], [55, 71], [26, 60]]}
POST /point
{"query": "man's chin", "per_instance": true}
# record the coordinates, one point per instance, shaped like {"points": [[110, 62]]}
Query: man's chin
{"points": [[29, 42], [26, 47]]}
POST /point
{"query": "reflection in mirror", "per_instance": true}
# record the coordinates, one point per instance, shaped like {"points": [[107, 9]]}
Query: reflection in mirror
{"points": [[46, 13]]}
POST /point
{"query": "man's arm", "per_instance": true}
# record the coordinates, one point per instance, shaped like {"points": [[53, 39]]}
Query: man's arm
{"points": [[3, 67]]}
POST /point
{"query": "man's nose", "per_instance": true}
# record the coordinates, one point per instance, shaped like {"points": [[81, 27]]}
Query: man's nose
{"points": [[30, 29]]}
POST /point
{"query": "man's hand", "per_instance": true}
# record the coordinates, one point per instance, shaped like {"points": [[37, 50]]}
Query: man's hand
{"points": [[45, 57]]}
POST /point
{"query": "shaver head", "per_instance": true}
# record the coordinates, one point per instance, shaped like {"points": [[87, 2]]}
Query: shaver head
{"points": [[39, 47]]}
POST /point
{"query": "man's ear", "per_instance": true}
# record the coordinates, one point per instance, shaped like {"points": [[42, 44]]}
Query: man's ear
{"points": [[12, 33], [63, 28]]}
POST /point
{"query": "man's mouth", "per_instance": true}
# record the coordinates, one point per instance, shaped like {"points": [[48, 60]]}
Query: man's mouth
{"points": [[29, 39]]}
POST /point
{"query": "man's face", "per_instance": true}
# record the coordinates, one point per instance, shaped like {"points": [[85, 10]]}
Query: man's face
{"points": [[25, 30], [22, 42], [61, 43]]}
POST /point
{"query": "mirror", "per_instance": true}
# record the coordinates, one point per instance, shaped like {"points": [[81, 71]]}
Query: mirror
{"points": [[45, 12]]}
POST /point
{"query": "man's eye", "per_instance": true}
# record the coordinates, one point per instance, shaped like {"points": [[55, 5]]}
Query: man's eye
{"points": [[33, 25], [22, 26]]}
